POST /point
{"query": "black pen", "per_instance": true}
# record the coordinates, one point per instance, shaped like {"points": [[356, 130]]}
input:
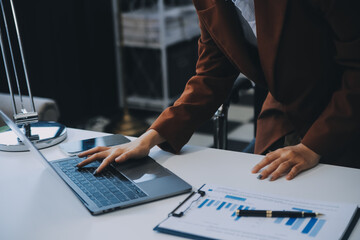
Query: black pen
{"points": [[269, 214]]}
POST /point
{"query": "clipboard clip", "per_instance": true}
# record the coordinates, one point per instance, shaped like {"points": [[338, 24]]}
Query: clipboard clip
{"points": [[182, 208]]}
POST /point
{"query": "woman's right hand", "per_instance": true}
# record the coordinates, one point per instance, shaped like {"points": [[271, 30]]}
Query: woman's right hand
{"points": [[138, 148]]}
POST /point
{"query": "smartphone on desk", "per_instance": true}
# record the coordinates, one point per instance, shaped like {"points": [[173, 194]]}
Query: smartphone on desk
{"points": [[74, 147]]}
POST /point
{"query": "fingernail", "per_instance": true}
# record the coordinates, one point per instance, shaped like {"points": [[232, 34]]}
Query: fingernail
{"points": [[259, 176], [95, 172], [77, 165]]}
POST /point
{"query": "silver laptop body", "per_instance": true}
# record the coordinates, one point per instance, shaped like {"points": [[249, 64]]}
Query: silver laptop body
{"points": [[121, 185]]}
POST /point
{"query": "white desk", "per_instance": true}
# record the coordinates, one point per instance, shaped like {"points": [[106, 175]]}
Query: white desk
{"points": [[34, 204]]}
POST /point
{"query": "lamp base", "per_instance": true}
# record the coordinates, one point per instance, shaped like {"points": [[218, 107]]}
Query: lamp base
{"points": [[43, 135]]}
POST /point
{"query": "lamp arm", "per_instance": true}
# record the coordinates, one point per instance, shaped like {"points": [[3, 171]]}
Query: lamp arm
{"points": [[12, 54], [22, 55], [7, 72]]}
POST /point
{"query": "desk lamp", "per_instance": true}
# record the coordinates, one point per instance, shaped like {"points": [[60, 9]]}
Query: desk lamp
{"points": [[42, 134]]}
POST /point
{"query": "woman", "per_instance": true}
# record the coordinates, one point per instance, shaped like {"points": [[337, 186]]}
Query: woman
{"points": [[306, 53]]}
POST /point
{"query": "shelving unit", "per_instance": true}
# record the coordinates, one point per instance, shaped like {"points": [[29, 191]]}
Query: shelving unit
{"points": [[157, 27], [153, 26]]}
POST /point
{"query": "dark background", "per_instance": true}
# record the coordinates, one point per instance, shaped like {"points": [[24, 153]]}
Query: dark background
{"points": [[69, 51]]}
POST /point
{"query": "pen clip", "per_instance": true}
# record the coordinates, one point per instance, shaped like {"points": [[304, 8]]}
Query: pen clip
{"points": [[181, 209]]}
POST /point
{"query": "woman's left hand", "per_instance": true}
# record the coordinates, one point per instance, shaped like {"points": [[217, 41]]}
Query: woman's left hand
{"points": [[289, 161]]}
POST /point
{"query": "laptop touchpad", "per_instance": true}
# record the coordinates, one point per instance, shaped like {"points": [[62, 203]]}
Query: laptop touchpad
{"points": [[142, 170]]}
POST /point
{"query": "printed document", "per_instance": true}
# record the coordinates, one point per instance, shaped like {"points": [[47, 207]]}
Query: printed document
{"points": [[213, 216]]}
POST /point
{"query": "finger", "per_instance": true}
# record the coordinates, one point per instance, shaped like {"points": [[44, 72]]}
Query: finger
{"points": [[123, 157], [295, 171], [92, 151], [269, 158], [282, 169], [92, 158], [272, 167], [106, 162]]}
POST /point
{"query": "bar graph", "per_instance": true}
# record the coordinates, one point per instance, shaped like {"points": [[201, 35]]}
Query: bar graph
{"points": [[310, 226], [226, 206], [213, 216], [306, 226]]}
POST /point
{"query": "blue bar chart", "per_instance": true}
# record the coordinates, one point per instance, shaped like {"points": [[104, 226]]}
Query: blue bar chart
{"points": [[231, 207], [310, 227], [212, 214]]}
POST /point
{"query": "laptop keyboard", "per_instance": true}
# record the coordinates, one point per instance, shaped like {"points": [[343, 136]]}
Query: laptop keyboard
{"points": [[107, 188]]}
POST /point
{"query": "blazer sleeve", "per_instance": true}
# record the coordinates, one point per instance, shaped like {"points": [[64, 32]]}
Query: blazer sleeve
{"points": [[202, 96], [339, 123]]}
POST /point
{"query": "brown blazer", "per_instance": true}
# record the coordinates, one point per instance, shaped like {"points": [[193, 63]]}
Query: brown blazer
{"points": [[308, 57]]}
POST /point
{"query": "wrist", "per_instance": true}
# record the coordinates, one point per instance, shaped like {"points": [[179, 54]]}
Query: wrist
{"points": [[310, 152], [151, 138]]}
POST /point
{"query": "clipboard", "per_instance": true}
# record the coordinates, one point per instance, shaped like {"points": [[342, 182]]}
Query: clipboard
{"points": [[209, 213], [179, 212]]}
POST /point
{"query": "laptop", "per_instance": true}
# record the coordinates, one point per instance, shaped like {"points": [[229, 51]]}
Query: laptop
{"points": [[119, 186]]}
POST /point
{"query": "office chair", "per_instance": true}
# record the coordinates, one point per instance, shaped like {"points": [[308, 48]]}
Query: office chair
{"points": [[220, 118]]}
